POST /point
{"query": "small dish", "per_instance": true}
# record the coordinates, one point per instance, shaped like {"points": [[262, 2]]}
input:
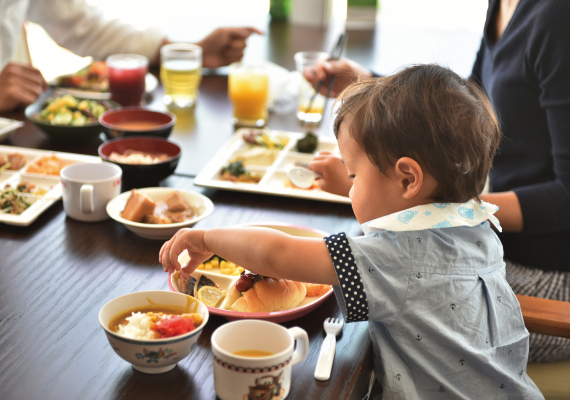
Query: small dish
{"points": [[225, 281], [202, 205], [142, 175], [66, 133], [137, 121], [7, 126], [158, 355]]}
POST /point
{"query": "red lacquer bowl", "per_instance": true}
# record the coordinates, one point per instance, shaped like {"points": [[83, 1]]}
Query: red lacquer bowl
{"points": [[137, 121]]}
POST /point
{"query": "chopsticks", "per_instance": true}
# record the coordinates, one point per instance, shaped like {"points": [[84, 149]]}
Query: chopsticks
{"points": [[334, 55]]}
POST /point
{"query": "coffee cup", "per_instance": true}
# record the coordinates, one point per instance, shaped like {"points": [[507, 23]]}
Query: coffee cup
{"points": [[88, 187], [254, 358]]}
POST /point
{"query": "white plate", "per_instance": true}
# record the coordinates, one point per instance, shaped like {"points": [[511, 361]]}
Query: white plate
{"points": [[49, 182], [151, 84], [199, 203], [274, 181], [7, 126]]}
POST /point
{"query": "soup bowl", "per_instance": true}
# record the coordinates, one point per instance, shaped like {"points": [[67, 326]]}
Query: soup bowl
{"points": [[142, 175], [137, 121], [152, 356]]}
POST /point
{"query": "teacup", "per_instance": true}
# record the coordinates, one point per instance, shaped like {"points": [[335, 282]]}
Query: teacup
{"points": [[253, 359], [88, 187]]}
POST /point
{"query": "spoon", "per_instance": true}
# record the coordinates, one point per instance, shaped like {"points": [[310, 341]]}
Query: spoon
{"points": [[302, 177]]}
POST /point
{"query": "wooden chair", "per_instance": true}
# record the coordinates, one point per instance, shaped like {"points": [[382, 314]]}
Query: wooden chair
{"points": [[548, 317]]}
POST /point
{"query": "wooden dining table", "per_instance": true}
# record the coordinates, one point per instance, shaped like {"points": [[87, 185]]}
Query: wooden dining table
{"points": [[57, 273]]}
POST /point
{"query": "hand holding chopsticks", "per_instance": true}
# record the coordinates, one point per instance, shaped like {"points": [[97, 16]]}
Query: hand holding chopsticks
{"points": [[334, 55]]}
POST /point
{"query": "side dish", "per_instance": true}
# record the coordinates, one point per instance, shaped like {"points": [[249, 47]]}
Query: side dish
{"points": [[138, 157], [13, 161], [172, 209], [67, 110], [308, 144], [236, 172], [17, 200], [154, 323], [262, 138], [93, 77], [48, 165]]}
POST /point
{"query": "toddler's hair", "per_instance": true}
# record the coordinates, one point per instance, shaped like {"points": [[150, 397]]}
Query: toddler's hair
{"points": [[430, 114]]}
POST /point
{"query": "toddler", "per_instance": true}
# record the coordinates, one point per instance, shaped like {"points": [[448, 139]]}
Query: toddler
{"points": [[428, 274]]}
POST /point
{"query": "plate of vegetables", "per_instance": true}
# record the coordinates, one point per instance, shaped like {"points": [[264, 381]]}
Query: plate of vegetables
{"points": [[68, 118]]}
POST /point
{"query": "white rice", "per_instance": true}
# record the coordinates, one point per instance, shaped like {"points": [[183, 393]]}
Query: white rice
{"points": [[137, 328]]}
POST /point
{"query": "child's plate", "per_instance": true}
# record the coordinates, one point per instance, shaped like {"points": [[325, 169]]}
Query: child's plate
{"points": [[225, 281]]}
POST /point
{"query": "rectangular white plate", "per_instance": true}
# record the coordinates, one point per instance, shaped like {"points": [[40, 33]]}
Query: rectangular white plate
{"points": [[274, 176], [49, 182], [7, 126]]}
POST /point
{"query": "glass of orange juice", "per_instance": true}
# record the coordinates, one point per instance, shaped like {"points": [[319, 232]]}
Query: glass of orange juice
{"points": [[309, 114], [248, 90]]}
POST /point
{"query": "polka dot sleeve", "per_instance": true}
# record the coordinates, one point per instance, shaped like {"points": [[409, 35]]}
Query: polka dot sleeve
{"points": [[349, 277]]}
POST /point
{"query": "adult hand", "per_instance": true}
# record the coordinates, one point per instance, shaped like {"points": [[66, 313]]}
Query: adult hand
{"points": [[345, 70], [20, 86], [334, 175], [224, 46]]}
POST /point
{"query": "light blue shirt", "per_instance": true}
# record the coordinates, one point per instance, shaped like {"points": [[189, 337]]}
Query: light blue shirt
{"points": [[443, 320]]}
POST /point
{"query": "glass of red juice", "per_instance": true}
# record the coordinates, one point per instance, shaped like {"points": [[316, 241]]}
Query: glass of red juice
{"points": [[127, 78]]}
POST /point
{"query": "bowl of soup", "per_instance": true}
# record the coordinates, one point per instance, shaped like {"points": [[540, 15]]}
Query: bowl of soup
{"points": [[145, 160], [153, 330], [137, 121]]}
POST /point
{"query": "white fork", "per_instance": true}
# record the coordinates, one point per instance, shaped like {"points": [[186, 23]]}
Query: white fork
{"points": [[333, 326]]}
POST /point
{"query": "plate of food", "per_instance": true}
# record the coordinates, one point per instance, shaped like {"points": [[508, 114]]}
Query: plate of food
{"points": [[30, 183], [158, 213], [68, 118], [257, 160], [234, 292], [93, 82]]}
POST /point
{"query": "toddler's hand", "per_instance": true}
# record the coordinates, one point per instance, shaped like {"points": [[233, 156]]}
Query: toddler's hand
{"points": [[185, 239], [334, 175]]}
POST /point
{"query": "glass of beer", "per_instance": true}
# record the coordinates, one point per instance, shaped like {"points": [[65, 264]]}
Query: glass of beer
{"points": [[248, 90], [309, 114], [127, 78], [180, 73]]}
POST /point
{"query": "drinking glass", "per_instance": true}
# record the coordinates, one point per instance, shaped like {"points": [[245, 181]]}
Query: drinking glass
{"points": [[127, 74], [310, 118], [180, 73], [248, 90]]}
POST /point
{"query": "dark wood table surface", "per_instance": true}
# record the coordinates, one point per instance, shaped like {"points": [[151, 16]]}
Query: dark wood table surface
{"points": [[57, 273]]}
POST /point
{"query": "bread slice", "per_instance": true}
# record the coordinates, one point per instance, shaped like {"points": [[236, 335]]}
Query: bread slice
{"points": [[266, 295]]}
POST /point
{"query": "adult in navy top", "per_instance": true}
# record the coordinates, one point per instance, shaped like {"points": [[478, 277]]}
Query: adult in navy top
{"points": [[526, 74]]}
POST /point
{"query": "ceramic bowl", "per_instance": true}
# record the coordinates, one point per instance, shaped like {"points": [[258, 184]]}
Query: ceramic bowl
{"points": [[137, 175], [143, 122], [66, 133], [159, 355], [202, 205]]}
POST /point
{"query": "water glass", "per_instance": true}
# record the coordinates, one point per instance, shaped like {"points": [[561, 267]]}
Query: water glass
{"points": [[310, 118]]}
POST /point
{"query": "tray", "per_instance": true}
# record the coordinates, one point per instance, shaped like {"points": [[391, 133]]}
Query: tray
{"points": [[50, 183], [274, 181]]}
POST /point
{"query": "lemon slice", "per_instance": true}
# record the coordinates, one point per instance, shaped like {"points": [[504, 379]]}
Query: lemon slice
{"points": [[210, 295]]}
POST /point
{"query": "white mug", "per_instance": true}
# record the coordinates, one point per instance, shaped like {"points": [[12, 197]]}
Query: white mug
{"points": [[239, 377], [88, 187]]}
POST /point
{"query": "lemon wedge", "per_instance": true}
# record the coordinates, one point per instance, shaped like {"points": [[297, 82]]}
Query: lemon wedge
{"points": [[210, 295]]}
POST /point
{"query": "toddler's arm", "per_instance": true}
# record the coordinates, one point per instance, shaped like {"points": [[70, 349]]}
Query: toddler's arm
{"points": [[262, 250], [334, 176]]}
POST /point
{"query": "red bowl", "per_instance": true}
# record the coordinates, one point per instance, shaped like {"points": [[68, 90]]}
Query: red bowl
{"points": [[159, 123], [147, 175]]}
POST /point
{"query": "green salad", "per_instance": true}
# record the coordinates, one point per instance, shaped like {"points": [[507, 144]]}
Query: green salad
{"points": [[67, 110]]}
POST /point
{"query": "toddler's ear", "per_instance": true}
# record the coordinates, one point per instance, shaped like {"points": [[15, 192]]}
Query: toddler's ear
{"points": [[410, 177]]}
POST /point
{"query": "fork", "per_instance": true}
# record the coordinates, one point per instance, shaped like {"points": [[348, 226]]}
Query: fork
{"points": [[333, 326]]}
